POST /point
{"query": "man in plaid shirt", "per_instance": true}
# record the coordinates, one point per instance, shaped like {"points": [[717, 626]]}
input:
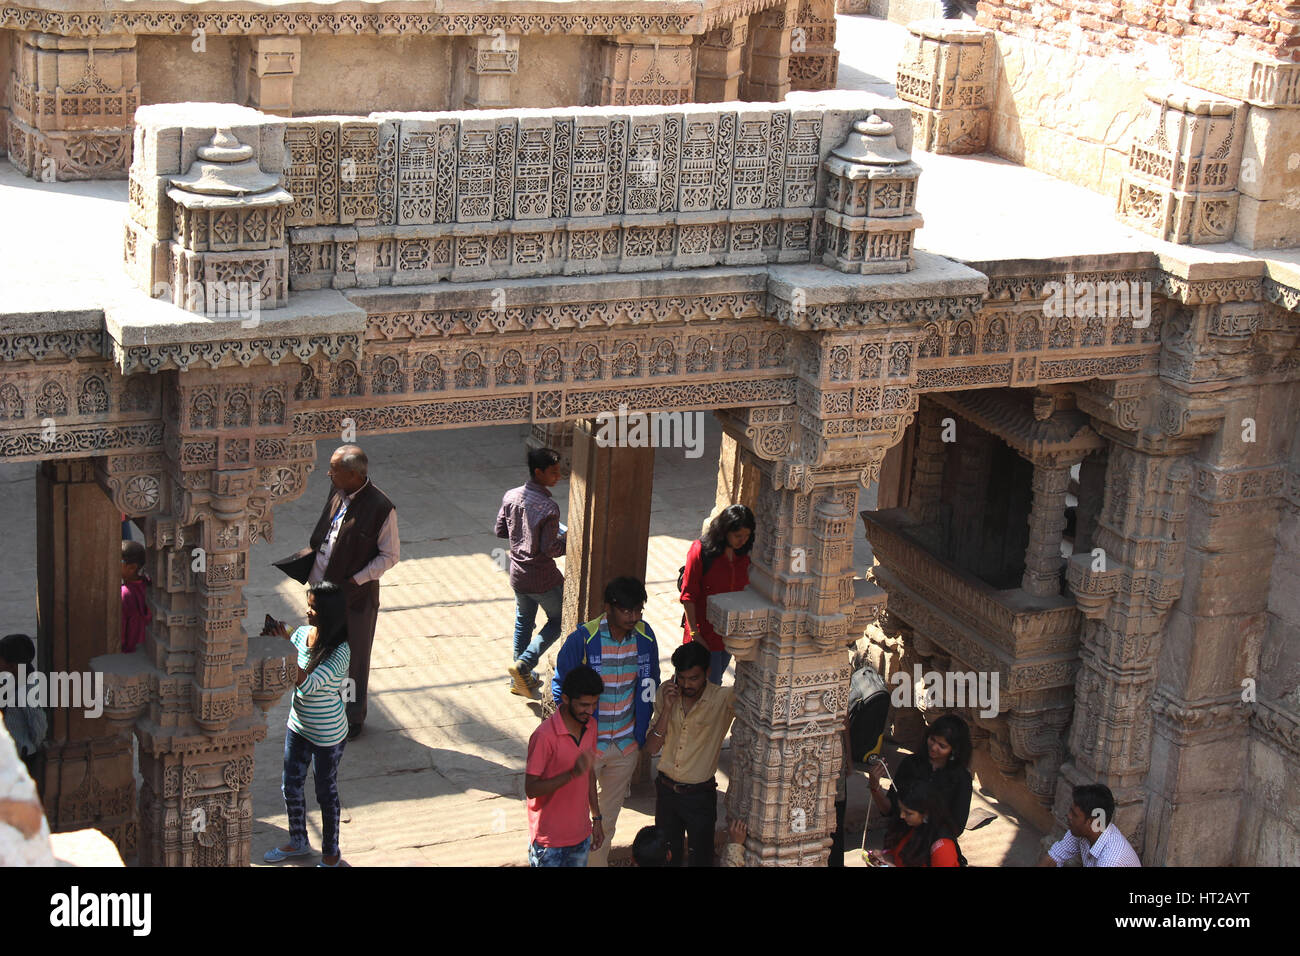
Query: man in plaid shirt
{"points": [[1093, 837], [530, 518]]}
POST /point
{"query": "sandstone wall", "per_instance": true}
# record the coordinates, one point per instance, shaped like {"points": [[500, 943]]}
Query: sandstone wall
{"points": [[1070, 97], [1269, 833], [411, 73], [171, 71]]}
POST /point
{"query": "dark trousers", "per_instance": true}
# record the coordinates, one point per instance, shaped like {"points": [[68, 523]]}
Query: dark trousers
{"points": [[361, 637], [694, 814], [299, 752], [836, 857], [953, 9]]}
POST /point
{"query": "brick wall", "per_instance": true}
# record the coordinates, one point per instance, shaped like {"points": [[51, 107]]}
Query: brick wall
{"points": [[1104, 27]]}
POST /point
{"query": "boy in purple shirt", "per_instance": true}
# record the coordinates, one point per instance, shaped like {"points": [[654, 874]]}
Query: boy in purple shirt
{"points": [[530, 518], [135, 607]]}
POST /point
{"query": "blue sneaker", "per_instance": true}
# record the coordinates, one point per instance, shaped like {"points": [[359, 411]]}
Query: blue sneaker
{"points": [[277, 855]]}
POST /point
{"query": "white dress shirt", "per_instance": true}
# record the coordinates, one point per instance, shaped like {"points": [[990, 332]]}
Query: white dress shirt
{"points": [[1109, 849], [389, 548]]}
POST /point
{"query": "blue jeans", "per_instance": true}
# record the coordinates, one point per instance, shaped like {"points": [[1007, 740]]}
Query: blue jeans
{"points": [[718, 661], [539, 855], [298, 753], [526, 605]]}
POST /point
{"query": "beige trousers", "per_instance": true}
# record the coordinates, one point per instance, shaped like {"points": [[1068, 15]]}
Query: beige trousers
{"points": [[614, 773]]}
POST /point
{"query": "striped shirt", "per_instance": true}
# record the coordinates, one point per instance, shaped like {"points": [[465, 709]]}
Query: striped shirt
{"points": [[317, 711], [617, 714]]}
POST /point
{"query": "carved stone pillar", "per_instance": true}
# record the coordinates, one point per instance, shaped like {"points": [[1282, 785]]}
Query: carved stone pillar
{"points": [[1042, 576], [198, 696], [88, 779], [771, 34], [1140, 534], [814, 61], [925, 493], [971, 495], [1181, 181], [640, 70], [719, 67], [1092, 486], [71, 103], [947, 73], [490, 62], [609, 520], [264, 72]]}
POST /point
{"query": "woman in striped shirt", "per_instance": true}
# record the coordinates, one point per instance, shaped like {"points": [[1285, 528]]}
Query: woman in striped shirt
{"points": [[318, 725]]}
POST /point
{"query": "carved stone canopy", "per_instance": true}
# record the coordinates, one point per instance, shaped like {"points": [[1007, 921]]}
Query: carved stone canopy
{"points": [[871, 143], [1063, 435], [226, 174]]}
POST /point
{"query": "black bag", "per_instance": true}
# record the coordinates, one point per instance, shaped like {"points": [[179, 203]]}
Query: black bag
{"points": [[868, 713]]}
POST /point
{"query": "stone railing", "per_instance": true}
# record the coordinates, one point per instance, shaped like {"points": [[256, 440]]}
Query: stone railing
{"points": [[1032, 642], [405, 199]]}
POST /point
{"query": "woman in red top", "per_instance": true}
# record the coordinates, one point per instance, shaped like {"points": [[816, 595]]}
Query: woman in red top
{"points": [[717, 563], [928, 839]]}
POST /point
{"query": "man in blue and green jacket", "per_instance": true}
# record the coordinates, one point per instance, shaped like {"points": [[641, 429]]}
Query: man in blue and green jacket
{"points": [[621, 648]]}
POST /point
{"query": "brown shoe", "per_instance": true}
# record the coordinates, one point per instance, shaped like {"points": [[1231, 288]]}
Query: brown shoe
{"points": [[521, 686]]}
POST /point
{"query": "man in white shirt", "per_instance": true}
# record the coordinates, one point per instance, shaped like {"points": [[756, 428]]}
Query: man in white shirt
{"points": [[1093, 836], [354, 543]]}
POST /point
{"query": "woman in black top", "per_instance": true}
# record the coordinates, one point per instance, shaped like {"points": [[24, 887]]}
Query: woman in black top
{"points": [[942, 764]]}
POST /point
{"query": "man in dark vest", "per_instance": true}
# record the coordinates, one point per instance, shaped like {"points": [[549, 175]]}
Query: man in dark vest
{"points": [[354, 543]]}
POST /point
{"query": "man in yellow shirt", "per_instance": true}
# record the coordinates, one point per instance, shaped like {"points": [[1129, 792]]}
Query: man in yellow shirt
{"points": [[691, 717]]}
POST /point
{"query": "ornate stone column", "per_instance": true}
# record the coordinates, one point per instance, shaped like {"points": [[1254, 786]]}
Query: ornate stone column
{"points": [[1043, 561], [71, 103], [198, 695], [947, 73], [924, 499], [719, 66], [640, 70], [1126, 601]]}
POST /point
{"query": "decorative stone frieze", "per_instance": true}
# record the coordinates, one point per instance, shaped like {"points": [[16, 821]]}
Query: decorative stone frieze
{"points": [[871, 202], [948, 71], [1181, 180]]}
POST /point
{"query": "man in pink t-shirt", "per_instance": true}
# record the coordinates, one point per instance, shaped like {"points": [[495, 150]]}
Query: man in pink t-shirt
{"points": [[564, 821]]}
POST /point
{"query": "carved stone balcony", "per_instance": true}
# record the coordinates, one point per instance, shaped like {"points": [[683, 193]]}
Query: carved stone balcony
{"points": [[1030, 642]]}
